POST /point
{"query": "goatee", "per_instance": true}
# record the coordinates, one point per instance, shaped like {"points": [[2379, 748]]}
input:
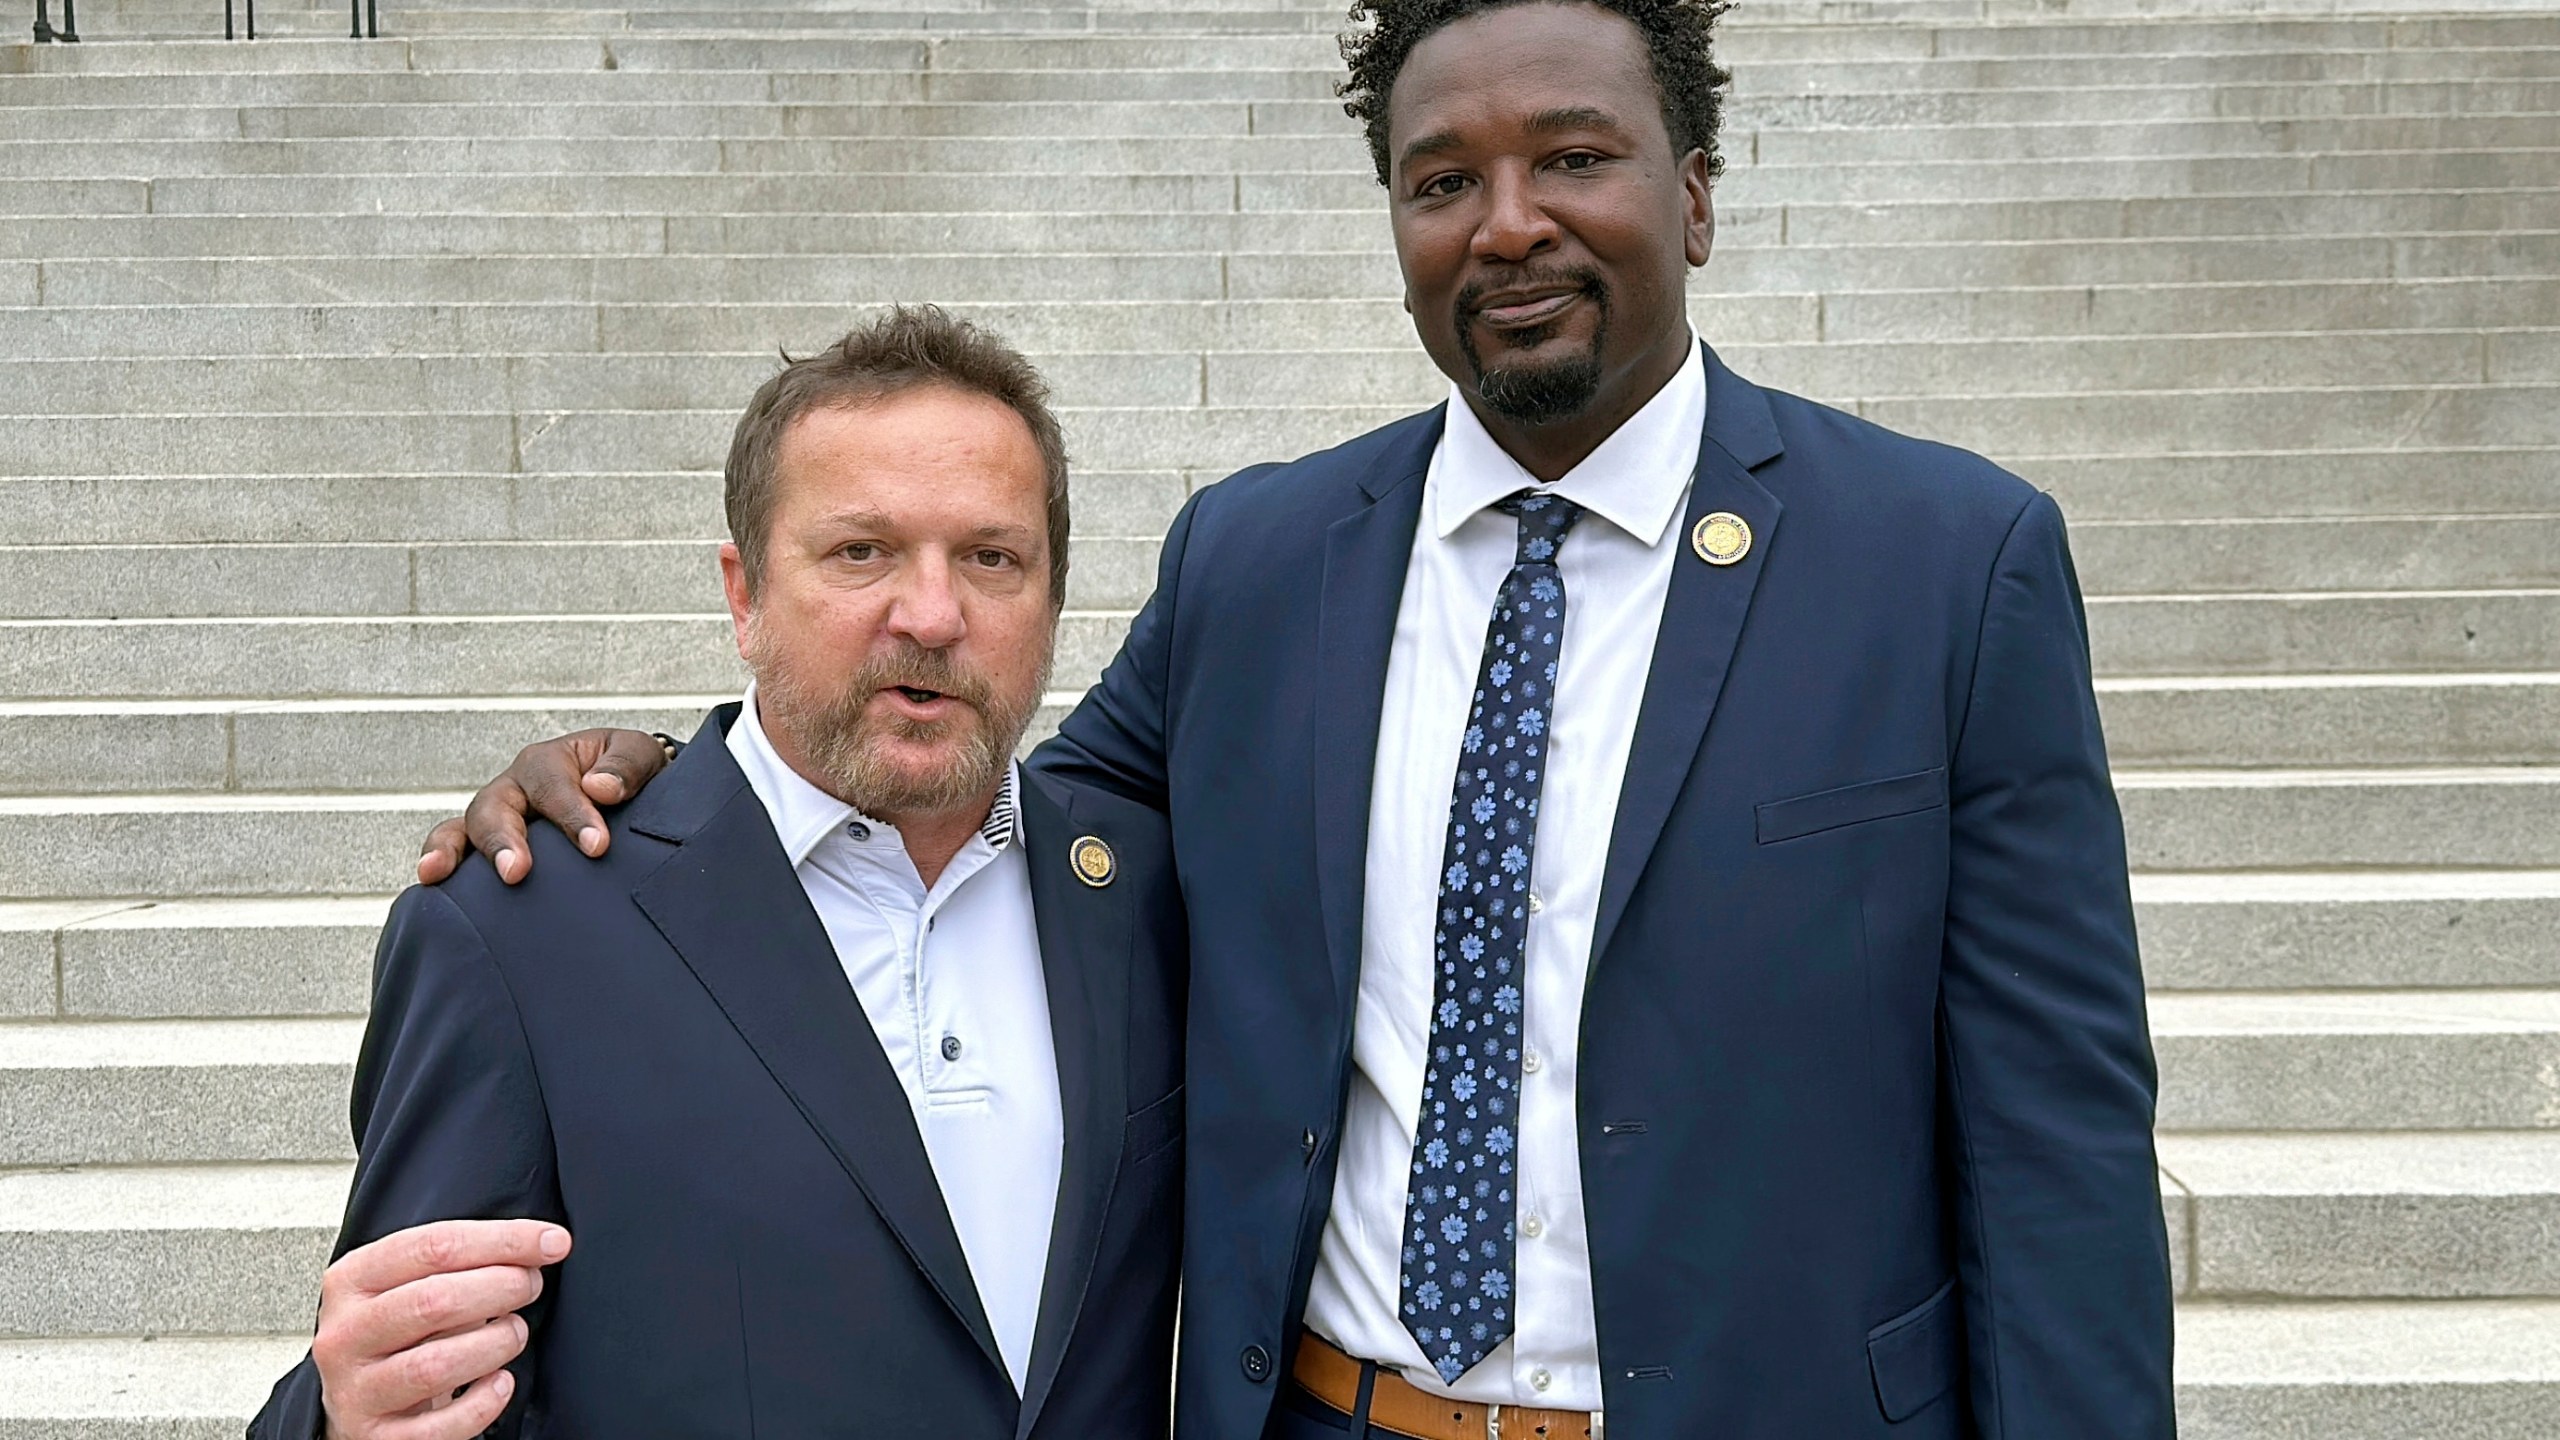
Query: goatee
{"points": [[1538, 394], [850, 747]]}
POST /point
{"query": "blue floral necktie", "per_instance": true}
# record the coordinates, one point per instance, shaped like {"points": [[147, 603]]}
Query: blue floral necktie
{"points": [[1458, 1219]]}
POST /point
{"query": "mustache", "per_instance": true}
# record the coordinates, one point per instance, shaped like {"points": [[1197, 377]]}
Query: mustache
{"points": [[1470, 298], [917, 668]]}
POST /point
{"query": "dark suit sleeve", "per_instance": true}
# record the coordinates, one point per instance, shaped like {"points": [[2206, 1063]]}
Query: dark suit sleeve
{"points": [[2062, 1256], [1115, 740], [448, 1117]]}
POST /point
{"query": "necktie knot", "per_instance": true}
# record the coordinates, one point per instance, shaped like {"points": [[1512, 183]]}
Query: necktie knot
{"points": [[1544, 518]]}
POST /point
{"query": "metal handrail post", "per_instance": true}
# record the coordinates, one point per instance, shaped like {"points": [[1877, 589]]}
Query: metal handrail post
{"points": [[70, 24], [364, 22], [372, 19], [228, 33], [252, 7], [44, 25]]}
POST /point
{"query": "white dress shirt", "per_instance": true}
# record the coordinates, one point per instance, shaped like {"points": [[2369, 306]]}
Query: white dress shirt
{"points": [[1617, 564], [951, 980]]}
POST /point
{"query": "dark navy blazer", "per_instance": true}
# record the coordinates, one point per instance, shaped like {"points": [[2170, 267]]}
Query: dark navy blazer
{"points": [[660, 1051], [1866, 1086]]}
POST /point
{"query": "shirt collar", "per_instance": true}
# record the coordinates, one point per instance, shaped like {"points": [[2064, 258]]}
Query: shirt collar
{"points": [[1636, 479], [804, 815]]}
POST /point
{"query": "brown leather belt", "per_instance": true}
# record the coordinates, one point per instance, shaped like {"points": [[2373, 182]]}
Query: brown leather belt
{"points": [[1399, 1409]]}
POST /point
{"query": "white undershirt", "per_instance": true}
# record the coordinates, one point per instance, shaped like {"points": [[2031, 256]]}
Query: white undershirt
{"points": [[951, 980], [1617, 565]]}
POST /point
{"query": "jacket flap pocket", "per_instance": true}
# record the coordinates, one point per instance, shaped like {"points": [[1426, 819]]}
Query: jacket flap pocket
{"points": [[1852, 805], [1915, 1355], [1152, 1128]]}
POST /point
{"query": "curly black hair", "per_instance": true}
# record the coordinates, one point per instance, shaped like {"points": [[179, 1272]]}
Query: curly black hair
{"points": [[1676, 32]]}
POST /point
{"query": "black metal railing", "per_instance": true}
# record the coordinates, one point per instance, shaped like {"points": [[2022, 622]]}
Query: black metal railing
{"points": [[226, 20], [69, 34], [357, 10]]}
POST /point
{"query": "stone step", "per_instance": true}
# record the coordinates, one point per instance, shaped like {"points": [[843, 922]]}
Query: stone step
{"points": [[2348, 929], [2405, 217], [2328, 1216], [2263, 484], [149, 1388], [2330, 720], [285, 843], [198, 1250], [2358, 1060], [2475, 816], [2369, 1370], [1218, 439], [2341, 633], [458, 507], [1926, 316], [175, 1091], [1303, 95], [2537, 57], [1206, 275], [2204, 556], [506, 578], [1968, 368], [183, 959]]}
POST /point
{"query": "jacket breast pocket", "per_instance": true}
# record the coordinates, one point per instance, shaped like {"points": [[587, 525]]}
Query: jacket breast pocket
{"points": [[1851, 805], [1915, 1355], [1153, 1128]]}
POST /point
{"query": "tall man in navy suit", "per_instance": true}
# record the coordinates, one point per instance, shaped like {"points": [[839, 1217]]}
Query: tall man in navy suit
{"points": [[854, 1072], [1661, 942]]}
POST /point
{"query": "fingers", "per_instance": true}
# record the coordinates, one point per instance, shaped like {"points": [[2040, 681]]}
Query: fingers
{"points": [[549, 775], [494, 823], [443, 1247], [418, 1384], [443, 852], [628, 761], [367, 1331]]}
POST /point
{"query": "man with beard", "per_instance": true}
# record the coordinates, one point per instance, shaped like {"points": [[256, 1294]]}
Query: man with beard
{"points": [[1661, 936], [854, 1072]]}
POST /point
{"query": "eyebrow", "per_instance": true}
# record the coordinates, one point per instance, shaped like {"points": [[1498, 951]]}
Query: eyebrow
{"points": [[1545, 122]]}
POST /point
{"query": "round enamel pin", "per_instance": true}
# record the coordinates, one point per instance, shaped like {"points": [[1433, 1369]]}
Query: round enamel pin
{"points": [[1093, 860], [1722, 538]]}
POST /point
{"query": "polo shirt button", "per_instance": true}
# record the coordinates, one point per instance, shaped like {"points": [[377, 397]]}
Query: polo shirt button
{"points": [[1257, 1363], [950, 1047]]}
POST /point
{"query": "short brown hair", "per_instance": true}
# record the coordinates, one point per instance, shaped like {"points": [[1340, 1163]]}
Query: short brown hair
{"points": [[908, 348]]}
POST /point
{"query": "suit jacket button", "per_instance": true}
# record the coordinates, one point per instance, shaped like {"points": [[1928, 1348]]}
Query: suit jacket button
{"points": [[1307, 1146], [1257, 1364]]}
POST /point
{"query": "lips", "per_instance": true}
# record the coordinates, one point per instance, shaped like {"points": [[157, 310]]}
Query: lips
{"points": [[1523, 309]]}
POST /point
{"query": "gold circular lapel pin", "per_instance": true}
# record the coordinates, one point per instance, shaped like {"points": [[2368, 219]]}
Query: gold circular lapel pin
{"points": [[1095, 865], [1722, 538]]}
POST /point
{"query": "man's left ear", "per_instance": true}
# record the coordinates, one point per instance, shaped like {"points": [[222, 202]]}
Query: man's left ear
{"points": [[1701, 206]]}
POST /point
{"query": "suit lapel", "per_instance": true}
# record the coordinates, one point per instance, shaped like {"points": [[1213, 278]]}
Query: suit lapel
{"points": [[1086, 940], [1702, 619], [732, 908], [1365, 555]]}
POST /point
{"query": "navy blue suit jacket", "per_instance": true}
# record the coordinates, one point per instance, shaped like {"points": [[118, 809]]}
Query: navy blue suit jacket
{"points": [[660, 1051], [1866, 1085]]}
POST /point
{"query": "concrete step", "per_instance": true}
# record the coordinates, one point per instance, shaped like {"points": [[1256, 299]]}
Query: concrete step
{"points": [[2341, 633], [2326, 1216], [2358, 1060], [140, 1388], [2220, 555], [2369, 1370], [184, 959], [2349, 929], [505, 578], [175, 1091], [2261, 484], [455, 507], [2315, 721], [1219, 439], [2477, 816], [1900, 368], [196, 1250]]}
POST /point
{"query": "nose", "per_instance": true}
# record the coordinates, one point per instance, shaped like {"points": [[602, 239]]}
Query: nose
{"points": [[928, 610], [1515, 226]]}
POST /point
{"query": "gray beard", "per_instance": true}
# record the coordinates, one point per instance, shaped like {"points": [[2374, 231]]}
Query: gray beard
{"points": [[848, 746]]}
